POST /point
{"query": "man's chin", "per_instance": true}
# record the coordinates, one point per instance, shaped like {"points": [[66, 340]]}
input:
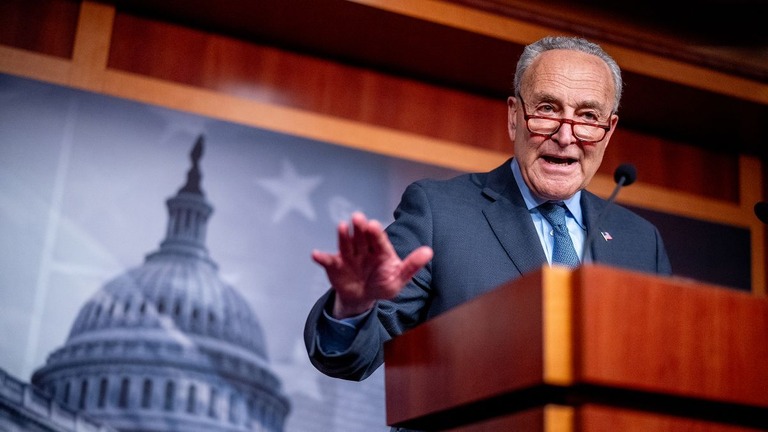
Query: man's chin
{"points": [[556, 192]]}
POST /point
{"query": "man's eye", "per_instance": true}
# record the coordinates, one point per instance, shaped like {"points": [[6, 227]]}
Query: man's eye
{"points": [[546, 109]]}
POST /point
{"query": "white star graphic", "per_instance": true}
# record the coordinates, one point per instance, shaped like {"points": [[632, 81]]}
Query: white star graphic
{"points": [[292, 192]]}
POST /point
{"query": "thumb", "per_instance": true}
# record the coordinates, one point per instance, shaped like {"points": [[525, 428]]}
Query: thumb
{"points": [[323, 258], [415, 261]]}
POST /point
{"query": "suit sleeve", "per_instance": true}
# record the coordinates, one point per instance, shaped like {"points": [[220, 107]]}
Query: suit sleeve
{"points": [[663, 265]]}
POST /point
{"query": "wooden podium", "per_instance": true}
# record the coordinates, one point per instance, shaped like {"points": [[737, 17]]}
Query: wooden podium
{"points": [[590, 349]]}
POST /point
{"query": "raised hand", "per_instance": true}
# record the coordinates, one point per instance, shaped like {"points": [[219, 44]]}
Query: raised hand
{"points": [[367, 268]]}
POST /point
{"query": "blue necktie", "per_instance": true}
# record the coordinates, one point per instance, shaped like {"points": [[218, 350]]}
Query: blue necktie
{"points": [[563, 251]]}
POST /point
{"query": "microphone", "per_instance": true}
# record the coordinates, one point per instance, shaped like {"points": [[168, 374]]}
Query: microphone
{"points": [[761, 211], [624, 175]]}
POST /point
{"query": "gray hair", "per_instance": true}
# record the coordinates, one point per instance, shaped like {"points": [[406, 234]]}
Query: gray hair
{"points": [[534, 49]]}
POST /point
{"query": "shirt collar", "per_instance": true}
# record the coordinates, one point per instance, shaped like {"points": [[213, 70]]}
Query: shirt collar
{"points": [[531, 201]]}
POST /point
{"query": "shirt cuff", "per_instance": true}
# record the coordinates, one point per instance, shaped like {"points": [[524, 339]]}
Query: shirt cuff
{"points": [[336, 335]]}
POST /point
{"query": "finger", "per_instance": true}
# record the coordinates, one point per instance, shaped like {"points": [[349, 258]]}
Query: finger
{"points": [[415, 261], [346, 248], [378, 240], [359, 236], [325, 259]]}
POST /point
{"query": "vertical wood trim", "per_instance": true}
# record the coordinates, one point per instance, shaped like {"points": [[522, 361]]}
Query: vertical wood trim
{"points": [[557, 322], [91, 50], [559, 418], [750, 188]]}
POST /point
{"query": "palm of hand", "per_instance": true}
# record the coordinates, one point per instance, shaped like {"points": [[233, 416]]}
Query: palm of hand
{"points": [[367, 268], [366, 277]]}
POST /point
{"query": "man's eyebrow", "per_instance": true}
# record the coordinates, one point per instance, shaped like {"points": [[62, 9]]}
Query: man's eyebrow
{"points": [[592, 104], [544, 97], [538, 98]]}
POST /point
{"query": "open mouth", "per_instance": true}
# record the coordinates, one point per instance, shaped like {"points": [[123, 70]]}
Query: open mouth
{"points": [[559, 160]]}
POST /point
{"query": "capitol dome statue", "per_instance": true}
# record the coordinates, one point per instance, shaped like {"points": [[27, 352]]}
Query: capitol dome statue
{"points": [[169, 346]]}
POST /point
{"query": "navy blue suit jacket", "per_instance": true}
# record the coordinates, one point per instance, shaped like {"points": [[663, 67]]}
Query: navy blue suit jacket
{"points": [[483, 236]]}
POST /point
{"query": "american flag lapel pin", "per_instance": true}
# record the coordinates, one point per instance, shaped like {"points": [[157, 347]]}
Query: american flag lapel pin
{"points": [[606, 235]]}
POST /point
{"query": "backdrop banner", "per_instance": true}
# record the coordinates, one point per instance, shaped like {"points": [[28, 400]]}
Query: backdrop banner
{"points": [[84, 181]]}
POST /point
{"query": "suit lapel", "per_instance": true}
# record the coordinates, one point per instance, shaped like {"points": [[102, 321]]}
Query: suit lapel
{"points": [[511, 222], [592, 206]]}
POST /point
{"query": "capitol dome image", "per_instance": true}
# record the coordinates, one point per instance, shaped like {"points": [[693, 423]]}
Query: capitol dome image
{"points": [[168, 345]]}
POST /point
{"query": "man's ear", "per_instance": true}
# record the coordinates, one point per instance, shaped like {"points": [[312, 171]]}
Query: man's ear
{"points": [[511, 116], [613, 122]]}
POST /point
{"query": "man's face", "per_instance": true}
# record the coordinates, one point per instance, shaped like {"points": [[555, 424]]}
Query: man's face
{"points": [[562, 84]]}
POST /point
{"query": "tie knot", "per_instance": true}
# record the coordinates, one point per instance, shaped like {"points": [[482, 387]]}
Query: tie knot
{"points": [[554, 213]]}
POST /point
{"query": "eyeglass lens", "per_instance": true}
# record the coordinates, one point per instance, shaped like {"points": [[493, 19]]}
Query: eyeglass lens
{"points": [[583, 132]]}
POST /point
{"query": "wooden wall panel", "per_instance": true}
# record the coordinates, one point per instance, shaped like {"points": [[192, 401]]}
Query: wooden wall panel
{"points": [[44, 26], [675, 165], [267, 74]]}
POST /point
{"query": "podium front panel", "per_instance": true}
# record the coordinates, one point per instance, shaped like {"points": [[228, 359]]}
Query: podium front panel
{"points": [[595, 336]]}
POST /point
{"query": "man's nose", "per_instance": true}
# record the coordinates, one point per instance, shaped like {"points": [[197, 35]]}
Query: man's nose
{"points": [[564, 135]]}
